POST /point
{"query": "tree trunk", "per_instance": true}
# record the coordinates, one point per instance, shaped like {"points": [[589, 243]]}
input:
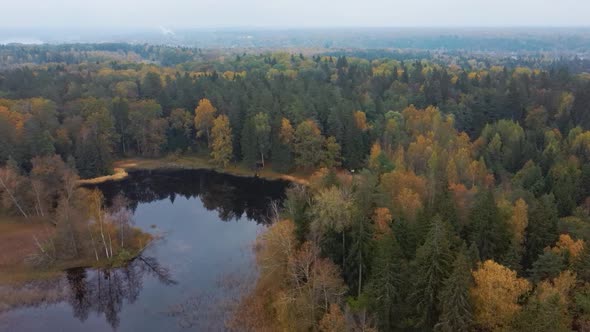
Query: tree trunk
{"points": [[40, 208], [343, 250], [104, 242], [122, 230], [13, 199], [111, 244], [360, 273], [93, 242], [262, 157], [73, 239]]}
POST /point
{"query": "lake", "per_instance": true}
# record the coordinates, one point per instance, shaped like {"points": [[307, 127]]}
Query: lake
{"points": [[189, 279]]}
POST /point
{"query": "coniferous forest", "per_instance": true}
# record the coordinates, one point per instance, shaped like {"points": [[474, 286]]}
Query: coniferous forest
{"points": [[445, 191]]}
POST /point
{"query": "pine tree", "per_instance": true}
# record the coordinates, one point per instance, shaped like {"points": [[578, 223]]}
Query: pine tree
{"points": [[456, 308]]}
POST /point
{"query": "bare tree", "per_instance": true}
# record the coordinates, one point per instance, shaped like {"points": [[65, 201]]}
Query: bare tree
{"points": [[9, 180]]}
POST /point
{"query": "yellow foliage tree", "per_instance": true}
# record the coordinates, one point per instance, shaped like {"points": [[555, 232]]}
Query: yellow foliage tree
{"points": [[287, 133], [408, 203], [221, 145], [561, 286], [419, 153], [452, 174], [360, 119], [204, 117], [399, 158], [495, 294], [567, 244], [382, 218], [477, 172], [519, 220], [407, 191], [374, 156], [333, 320]]}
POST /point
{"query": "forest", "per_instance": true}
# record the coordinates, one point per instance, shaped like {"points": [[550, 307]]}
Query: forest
{"points": [[445, 191]]}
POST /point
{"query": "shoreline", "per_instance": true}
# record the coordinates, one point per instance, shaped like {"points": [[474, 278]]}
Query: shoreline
{"points": [[16, 244], [19, 272], [124, 166]]}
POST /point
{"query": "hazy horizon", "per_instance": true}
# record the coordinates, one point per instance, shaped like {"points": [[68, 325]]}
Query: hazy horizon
{"points": [[282, 14]]}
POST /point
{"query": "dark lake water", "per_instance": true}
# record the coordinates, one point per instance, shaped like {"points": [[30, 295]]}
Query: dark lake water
{"points": [[188, 280]]}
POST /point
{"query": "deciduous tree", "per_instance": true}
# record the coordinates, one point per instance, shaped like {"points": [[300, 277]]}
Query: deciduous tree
{"points": [[221, 145]]}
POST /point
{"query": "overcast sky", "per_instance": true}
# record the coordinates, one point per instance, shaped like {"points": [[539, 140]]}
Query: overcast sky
{"points": [[289, 13]]}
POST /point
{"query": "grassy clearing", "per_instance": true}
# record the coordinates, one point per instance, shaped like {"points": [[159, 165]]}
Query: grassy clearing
{"points": [[17, 243], [193, 162]]}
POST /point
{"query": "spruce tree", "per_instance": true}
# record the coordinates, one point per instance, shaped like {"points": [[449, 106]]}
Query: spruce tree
{"points": [[248, 144], [548, 266], [432, 266], [542, 228], [456, 307], [387, 281], [487, 229], [582, 264]]}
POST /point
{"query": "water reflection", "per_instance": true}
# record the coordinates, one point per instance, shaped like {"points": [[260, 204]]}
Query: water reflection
{"points": [[230, 196], [104, 291], [175, 285]]}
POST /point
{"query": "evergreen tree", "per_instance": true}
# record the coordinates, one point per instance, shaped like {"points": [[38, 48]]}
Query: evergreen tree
{"points": [[473, 255], [548, 266], [432, 266], [359, 257], [444, 205], [282, 157], [308, 144], [387, 281], [262, 134], [120, 113], [151, 87], [582, 264], [487, 229], [365, 187], [248, 144], [282, 142], [547, 315], [332, 153], [542, 228], [456, 307]]}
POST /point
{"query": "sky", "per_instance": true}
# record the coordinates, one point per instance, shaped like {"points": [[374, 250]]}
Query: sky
{"points": [[291, 14]]}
